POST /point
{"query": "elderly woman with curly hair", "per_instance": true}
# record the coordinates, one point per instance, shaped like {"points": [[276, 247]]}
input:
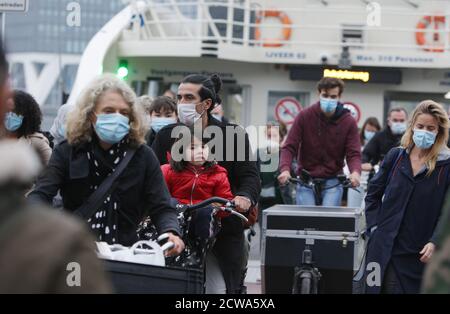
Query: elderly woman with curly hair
{"points": [[23, 122], [102, 130]]}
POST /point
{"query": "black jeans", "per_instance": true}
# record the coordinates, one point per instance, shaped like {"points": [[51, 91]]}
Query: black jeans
{"points": [[391, 284]]}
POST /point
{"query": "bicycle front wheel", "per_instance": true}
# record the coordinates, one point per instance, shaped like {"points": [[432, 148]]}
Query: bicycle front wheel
{"points": [[305, 287]]}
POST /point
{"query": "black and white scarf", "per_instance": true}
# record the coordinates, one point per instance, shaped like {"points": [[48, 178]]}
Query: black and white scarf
{"points": [[104, 223]]}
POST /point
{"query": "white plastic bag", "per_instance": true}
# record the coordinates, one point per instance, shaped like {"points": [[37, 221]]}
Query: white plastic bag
{"points": [[142, 252]]}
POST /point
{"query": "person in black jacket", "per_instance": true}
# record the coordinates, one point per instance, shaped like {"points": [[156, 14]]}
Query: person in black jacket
{"points": [[196, 96], [101, 130], [384, 141]]}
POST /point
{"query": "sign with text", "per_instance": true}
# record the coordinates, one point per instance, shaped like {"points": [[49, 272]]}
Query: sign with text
{"points": [[13, 5], [347, 75], [359, 58], [357, 74]]}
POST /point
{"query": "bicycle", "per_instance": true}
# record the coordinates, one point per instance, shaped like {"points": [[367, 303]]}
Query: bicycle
{"points": [[307, 276], [197, 248]]}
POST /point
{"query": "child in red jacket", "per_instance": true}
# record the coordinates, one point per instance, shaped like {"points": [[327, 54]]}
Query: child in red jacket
{"points": [[191, 181], [194, 179]]}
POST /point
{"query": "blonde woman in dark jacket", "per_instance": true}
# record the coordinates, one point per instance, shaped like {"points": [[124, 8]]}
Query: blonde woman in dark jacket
{"points": [[404, 203]]}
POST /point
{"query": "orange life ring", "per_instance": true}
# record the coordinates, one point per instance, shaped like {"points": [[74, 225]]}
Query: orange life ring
{"points": [[423, 24], [287, 30]]}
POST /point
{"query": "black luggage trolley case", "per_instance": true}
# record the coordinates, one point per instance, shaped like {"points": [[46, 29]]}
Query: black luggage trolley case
{"points": [[130, 278], [333, 235]]}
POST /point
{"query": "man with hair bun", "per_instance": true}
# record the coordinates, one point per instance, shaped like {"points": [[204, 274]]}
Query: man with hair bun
{"points": [[197, 95]]}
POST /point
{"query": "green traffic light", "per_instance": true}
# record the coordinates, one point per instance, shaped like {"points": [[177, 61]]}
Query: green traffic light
{"points": [[122, 72]]}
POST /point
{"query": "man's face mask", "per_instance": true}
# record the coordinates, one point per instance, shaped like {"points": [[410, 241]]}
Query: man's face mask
{"points": [[328, 105], [398, 128], [188, 114]]}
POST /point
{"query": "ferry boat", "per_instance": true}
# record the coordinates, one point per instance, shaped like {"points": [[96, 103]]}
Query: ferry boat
{"points": [[271, 53]]}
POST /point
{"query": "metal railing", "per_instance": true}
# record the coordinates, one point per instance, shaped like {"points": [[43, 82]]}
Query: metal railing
{"points": [[162, 17]]}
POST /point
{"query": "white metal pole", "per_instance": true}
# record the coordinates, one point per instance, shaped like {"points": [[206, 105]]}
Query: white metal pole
{"points": [[247, 22], [199, 20], [230, 21], [3, 25]]}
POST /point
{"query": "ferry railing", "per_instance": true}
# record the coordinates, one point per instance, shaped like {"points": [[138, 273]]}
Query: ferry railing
{"points": [[201, 26]]}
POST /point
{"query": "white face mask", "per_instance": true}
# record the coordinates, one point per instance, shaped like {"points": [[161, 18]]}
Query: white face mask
{"points": [[188, 115]]}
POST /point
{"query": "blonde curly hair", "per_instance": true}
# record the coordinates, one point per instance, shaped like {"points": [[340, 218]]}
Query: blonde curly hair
{"points": [[79, 125]]}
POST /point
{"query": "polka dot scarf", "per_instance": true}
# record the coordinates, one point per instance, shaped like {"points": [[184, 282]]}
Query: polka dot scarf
{"points": [[104, 223]]}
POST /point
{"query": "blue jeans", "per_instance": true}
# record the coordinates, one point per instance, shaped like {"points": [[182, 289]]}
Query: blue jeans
{"points": [[331, 197], [355, 199]]}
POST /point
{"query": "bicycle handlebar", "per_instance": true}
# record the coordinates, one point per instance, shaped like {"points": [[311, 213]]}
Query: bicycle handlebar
{"points": [[228, 206], [346, 183], [207, 202]]}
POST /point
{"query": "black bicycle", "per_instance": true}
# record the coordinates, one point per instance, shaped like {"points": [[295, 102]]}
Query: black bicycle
{"points": [[307, 276], [196, 246]]}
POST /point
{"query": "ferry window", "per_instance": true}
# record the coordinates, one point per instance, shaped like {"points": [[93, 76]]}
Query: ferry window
{"points": [[409, 101]]}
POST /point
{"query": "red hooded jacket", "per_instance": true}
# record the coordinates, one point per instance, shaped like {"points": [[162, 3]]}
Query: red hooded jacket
{"points": [[196, 184]]}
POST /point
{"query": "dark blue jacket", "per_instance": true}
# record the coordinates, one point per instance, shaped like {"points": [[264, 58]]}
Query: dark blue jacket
{"points": [[402, 212]]}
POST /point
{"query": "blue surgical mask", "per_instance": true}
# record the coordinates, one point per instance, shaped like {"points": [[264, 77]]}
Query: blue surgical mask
{"points": [[62, 131], [424, 139], [398, 128], [112, 128], [368, 135], [158, 123], [328, 105], [13, 121]]}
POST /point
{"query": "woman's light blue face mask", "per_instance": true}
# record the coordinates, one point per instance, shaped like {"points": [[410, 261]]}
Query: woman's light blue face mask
{"points": [[112, 128], [368, 135], [13, 121], [424, 139]]}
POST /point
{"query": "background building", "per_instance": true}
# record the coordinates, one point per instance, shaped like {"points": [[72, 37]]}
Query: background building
{"points": [[45, 50], [271, 53]]}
